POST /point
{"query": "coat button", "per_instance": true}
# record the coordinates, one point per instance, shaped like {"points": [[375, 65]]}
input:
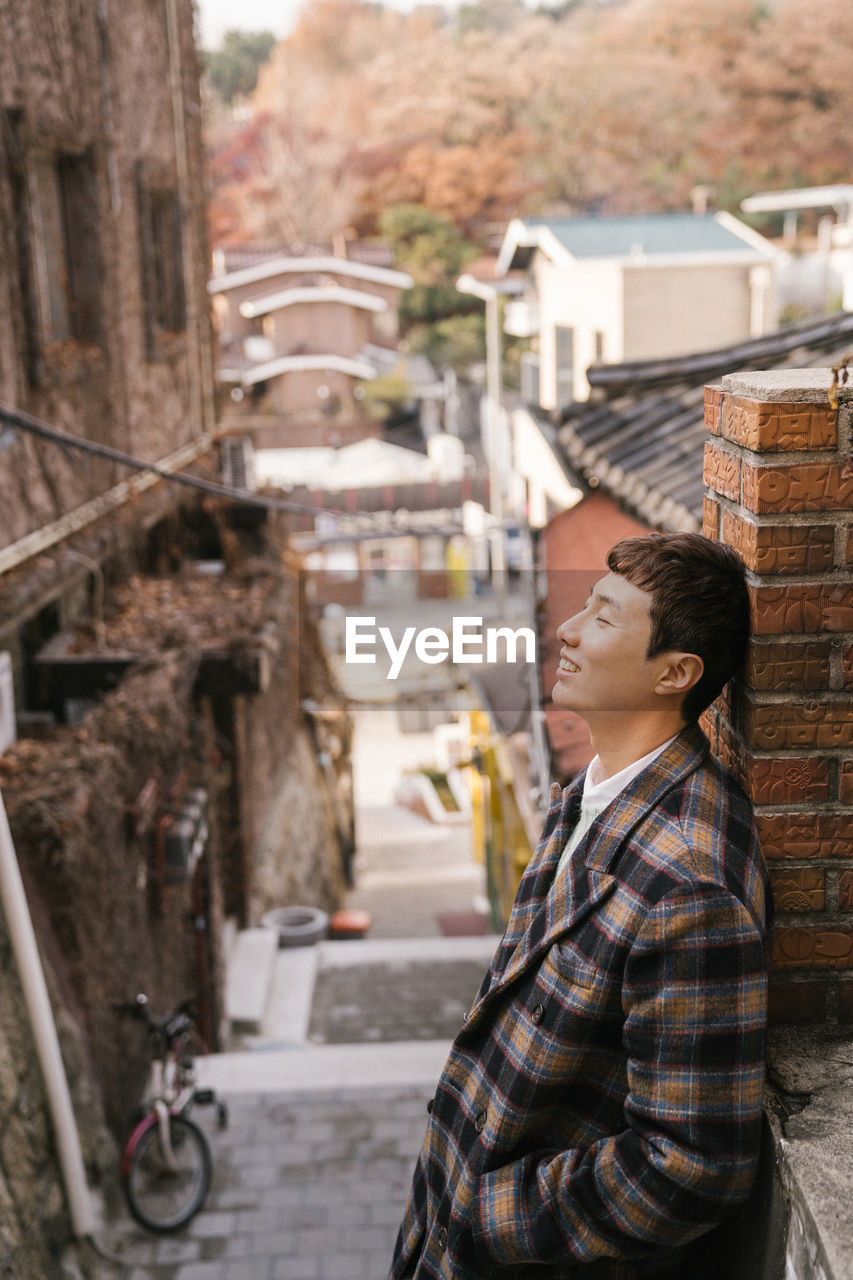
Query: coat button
{"points": [[480, 1122], [430, 1106], [442, 1238], [538, 1013]]}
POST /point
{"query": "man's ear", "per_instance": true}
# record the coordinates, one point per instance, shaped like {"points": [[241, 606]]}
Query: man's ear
{"points": [[683, 671]]}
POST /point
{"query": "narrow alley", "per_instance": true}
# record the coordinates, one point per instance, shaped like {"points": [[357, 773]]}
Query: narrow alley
{"points": [[327, 1096]]}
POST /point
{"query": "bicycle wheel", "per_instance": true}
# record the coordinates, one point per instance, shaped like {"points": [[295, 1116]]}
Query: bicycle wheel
{"points": [[164, 1194]]}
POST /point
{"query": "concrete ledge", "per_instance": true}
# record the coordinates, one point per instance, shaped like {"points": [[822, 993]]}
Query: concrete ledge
{"points": [[247, 983], [813, 1075], [318, 1067], [406, 950], [288, 1007], [798, 386]]}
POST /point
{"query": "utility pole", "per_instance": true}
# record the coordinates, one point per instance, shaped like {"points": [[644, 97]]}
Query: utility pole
{"points": [[490, 294]]}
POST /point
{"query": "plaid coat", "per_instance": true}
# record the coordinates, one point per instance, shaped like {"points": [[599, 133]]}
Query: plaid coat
{"points": [[601, 1106]]}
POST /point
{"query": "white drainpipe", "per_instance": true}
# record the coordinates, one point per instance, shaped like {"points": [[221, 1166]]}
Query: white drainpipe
{"points": [[25, 949]]}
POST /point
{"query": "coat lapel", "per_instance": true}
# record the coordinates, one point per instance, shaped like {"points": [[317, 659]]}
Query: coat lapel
{"points": [[538, 878], [610, 831]]}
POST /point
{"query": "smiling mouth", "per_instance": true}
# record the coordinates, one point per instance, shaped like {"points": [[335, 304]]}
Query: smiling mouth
{"points": [[566, 666]]}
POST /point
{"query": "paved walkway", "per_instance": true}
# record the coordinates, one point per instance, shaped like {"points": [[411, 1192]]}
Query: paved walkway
{"points": [[410, 874], [307, 1186], [328, 1102]]}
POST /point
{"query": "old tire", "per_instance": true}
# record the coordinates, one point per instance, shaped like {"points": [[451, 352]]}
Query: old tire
{"points": [[297, 926]]}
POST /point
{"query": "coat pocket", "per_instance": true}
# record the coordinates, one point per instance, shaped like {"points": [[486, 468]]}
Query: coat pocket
{"points": [[567, 1049]]}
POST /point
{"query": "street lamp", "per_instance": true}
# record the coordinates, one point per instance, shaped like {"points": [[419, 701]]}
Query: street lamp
{"points": [[490, 293]]}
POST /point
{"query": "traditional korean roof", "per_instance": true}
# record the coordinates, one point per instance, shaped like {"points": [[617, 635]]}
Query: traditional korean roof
{"points": [[644, 445], [235, 257]]}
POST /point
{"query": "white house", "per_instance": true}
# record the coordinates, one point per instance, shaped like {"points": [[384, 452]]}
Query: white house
{"points": [[613, 289], [814, 279]]}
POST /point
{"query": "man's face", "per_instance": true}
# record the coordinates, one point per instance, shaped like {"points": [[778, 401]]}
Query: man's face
{"points": [[603, 666]]}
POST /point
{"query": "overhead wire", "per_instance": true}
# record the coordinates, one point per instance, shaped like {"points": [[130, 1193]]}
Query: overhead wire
{"points": [[19, 420]]}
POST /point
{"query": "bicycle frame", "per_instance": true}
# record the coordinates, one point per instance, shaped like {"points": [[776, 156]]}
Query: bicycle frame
{"points": [[159, 1115], [170, 1079], [166, 1152]]}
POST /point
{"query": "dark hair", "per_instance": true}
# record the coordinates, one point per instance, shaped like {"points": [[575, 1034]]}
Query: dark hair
{"points": [[700, 604]]}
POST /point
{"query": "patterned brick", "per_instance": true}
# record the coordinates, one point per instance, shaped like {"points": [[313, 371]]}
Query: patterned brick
{"points": [[847, 666], [799, 889], [722, 472], [845, 786], [791, 725], [709, 724], [817, 946], [802, 609], [729, 747], [714, 399], [710, 517], [725, 703], [807, 486], [793, 755], [790, 780], [845, 891], [805, 835], [781, 427], [775, 548], [731, 751], [796, 1003], [779, 666]]}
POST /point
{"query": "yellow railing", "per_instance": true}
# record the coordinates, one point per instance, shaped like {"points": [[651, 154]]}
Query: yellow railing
{"points": [[498, 832]]}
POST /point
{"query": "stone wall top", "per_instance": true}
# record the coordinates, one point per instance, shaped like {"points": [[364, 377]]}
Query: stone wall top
{"points": [[794, 386]]}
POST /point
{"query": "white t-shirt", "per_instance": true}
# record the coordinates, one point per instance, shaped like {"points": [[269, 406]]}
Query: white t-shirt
{"points": [[598, 795]]}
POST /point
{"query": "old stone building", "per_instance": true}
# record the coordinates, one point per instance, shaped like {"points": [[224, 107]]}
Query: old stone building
{"points": [[104, 328], [173, 755]]}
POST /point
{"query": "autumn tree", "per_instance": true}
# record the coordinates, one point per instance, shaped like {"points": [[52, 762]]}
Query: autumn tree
{"points": [[593, 107], [432, 250], [233, 68]]}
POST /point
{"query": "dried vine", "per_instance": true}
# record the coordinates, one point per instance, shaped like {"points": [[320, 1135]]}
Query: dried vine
{"points": [[840, 377]]}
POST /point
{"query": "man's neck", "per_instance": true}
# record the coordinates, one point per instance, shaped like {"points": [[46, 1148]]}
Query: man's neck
{"points": [[620, 744]]}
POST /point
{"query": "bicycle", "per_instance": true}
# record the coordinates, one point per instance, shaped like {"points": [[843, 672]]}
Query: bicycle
{"points": [[166, 1165]]}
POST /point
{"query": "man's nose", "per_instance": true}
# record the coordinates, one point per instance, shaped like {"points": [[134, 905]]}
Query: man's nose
{"points": [[567, 631]]}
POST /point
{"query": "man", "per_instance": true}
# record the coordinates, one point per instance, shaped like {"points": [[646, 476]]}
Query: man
{"points": [[600, 1109]]}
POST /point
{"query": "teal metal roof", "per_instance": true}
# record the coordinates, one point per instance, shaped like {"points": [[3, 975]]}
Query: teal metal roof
{"points": [[650, 234]]}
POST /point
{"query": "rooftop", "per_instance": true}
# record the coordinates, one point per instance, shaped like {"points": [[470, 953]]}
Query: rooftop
{"points": [[642, 237], [644, 444], [327, 264]]}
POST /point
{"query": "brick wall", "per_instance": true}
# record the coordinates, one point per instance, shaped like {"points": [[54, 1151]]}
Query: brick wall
{"points": [[780, 480]]}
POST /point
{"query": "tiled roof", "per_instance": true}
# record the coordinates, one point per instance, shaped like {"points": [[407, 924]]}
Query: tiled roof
{"points": [[645, 445], [652, 238], [650, 234], [377, 253], [270, 270]]}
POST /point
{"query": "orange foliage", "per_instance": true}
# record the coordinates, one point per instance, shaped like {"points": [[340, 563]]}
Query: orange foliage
{"points": [[616, 108]]}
